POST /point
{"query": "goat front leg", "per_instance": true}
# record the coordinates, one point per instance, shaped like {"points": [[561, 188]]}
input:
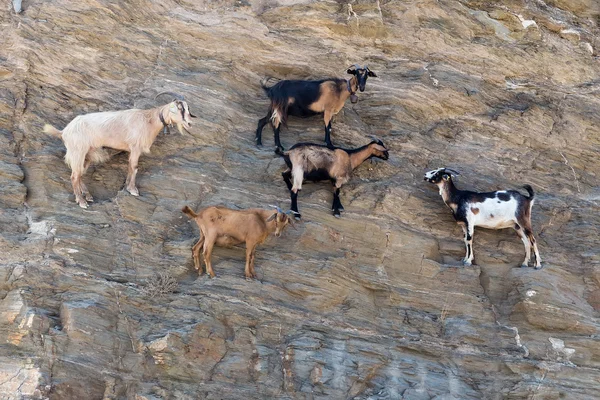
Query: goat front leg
{"points": [[327, 119], [132, 172], [298, 176], [208, 248], [249, 269], [337, 204], [469, 229], [294, 207]]}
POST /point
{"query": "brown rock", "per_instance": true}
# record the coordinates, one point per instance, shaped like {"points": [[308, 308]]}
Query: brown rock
{"points": [[374, 305]]}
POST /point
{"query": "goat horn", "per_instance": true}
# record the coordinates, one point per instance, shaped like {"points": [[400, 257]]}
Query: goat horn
{"points": [[175, 95], [451, 171], [279, 210]]}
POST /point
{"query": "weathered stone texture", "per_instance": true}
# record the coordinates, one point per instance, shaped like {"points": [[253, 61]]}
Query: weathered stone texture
{"points": [[370, 306]]}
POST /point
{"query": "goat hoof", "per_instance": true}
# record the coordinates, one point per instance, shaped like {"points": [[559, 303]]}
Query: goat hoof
{"points": [[539, 266], [134, 192], [83, 204], [89, 198], [297, 216], [524, 265], [466, 263], [337, 214]]}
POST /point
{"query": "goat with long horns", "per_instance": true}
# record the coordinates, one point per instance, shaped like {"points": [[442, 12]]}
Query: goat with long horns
{"points": [[86, 137]]}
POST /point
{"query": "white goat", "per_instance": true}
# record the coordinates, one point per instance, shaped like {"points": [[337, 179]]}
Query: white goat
{"points": [[492, 210], [130, 130]]}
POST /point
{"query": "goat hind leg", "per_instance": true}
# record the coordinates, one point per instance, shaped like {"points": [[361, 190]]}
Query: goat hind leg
{"points": [[261, 124], [276, 124], [77, 189], [88, 161], [327, 116], [538, 260], [196, 255], [526, 243], [287, 177]]}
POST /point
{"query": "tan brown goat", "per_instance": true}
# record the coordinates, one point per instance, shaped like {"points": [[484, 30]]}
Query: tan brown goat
{"points": [[225, 227]]}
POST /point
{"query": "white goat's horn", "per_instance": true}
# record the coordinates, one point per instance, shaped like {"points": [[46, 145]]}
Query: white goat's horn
{"points": [[175, 95]]}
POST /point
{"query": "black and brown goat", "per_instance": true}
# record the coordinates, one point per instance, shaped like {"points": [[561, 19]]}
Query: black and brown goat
{"points": [[315, 162], [492, 210], [225, 227], [302, 98]]}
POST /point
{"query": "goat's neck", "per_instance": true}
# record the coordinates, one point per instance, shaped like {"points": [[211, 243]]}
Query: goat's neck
{"points": [[351, 86], [448, 192], [358, 156], [155, 119], [271, 225]]}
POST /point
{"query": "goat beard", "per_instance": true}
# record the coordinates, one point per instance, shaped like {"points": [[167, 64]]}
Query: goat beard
{"points": [[181, 128]]}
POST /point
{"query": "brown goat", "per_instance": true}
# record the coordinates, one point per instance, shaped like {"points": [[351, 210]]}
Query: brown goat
{"points": [[314, 162], [303, 98], [225, 227]]}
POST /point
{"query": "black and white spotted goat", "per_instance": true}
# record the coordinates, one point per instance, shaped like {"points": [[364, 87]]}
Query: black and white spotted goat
{"points": [[492, 210]]}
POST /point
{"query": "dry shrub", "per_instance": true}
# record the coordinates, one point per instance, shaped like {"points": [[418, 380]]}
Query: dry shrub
{"points": [[160, 285]]}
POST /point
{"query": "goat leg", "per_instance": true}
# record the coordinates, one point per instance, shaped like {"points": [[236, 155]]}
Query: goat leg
{"points": [[337, 204], [279, 147], [133, 163], [287, 177], [294, 207], [327, 117], [261, 124]]}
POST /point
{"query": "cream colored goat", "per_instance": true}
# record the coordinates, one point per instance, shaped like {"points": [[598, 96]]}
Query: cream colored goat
{"points": [[130, 130], [225, 227]]}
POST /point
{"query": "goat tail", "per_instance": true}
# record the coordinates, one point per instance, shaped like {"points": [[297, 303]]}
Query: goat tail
{"points": [[530, 191], [263, 84], [187, 210], [280, 110], [49, 129]]}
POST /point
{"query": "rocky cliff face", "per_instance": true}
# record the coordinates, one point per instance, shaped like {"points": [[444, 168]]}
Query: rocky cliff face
{"points": [[371, 306]]}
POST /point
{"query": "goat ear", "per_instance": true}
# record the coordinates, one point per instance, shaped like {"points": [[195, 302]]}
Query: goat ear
{"points": [[446, 177], [351, 71], [292, 222], [371, 73], [272, 217]]}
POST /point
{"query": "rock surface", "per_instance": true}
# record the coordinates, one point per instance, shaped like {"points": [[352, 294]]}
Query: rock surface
{"points": [[370, 306]]}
